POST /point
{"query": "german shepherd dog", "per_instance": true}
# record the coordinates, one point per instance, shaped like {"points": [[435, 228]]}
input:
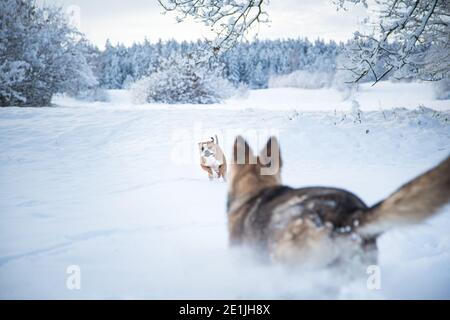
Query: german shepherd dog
{"points": [[318, 226]]}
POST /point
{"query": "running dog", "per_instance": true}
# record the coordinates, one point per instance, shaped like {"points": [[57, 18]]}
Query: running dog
{"points": [[318, 226], [212, 159]]}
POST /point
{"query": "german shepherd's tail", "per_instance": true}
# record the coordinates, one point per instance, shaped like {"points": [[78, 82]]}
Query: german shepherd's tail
{"points": [[412, 203]]}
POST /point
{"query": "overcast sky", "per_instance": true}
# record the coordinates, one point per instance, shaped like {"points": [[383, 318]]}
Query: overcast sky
{"points": [[132, 20]]}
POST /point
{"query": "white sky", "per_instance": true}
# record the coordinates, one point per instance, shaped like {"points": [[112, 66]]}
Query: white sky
{"points": [[128, 21]]}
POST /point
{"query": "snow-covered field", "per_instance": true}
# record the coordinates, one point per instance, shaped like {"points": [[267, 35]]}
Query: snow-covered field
{"points": [[116, 190]]}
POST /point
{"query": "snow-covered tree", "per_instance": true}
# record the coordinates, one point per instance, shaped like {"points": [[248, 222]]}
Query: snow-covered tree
{"points": [[39, 55], [248, 63], [410, 38], [78, 78], [180, 79]]}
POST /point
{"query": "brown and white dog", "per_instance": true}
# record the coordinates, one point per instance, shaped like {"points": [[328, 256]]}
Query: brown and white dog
{"points": [[318, 226], [212, 159]]}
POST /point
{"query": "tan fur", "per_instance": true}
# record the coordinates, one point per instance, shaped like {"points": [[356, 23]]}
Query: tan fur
{"points": [[218, 155], [318, 226], [246, 181], [412, 203], [245, 171]]}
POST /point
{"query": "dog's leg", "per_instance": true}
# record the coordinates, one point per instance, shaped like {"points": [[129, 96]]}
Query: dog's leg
{"points": [[216, 173], [210, 172], [223, 172]]}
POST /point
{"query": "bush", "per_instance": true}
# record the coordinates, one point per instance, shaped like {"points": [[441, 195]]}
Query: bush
{"points": [[302, 79], [442, 89], [92, 95], [182, 80], [242, 92]]}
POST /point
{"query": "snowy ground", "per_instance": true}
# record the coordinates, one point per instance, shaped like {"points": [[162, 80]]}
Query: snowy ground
{"points": [[116, 190]]}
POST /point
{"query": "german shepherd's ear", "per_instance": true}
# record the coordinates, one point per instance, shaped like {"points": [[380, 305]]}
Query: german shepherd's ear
{"points": [[242, 153], [270, 155]]}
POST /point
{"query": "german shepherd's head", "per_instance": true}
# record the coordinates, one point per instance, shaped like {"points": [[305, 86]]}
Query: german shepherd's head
{"points": [[249, 174]]}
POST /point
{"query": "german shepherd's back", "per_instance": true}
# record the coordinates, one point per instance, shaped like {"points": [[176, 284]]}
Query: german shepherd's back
{"points": [[318, 226]]}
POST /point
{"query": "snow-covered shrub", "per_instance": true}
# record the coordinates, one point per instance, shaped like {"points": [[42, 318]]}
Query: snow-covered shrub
{"points": [[93, 95], [12, 74], [182, 80], [302, 79], [85, 85], [242, 91], [81, 82], [39, 55], [343, 78], [342, 83], [128, 82], [442, 89], [141, 90]]}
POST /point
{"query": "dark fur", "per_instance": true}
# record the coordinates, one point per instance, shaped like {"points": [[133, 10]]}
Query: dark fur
{"points": [[294, 224]]}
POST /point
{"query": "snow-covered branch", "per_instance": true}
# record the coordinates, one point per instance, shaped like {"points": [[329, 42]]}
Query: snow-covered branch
{"points": [[230, 20], [411, 38]]}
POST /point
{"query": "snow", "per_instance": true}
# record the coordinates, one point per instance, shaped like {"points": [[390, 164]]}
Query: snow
{"points": [[116, 189], [385, 95]]}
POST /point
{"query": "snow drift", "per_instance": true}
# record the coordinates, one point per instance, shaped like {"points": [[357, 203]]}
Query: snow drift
{"points": [[100, 186]]}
